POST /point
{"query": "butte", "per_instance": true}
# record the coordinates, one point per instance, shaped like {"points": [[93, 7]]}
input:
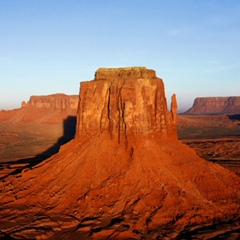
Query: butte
{"points": [[125, 175]]}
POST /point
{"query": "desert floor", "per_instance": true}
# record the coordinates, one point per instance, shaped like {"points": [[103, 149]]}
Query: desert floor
{"points": [[24, 145]]}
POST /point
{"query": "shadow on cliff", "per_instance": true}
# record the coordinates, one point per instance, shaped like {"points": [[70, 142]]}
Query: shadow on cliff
{"points": [[69, 129]]}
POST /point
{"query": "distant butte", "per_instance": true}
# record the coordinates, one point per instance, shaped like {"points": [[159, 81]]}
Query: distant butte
{"points": [[125, 175]]}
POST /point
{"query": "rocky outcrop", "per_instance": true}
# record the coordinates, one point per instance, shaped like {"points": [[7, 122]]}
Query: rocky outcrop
{"points": [[215, 105], [54, 101], [124, 176]]}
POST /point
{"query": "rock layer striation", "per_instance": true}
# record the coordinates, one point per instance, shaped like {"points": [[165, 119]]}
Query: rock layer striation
{"points": [[124, 176]]}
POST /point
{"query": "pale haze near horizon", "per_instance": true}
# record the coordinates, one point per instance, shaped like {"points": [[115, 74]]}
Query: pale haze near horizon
{"points": [[49, 47]]}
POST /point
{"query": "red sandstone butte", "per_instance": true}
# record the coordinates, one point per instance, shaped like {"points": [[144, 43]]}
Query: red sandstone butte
{"points": [[125, 175]]}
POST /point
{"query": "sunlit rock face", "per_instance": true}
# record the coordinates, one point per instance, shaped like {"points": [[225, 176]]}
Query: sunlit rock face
{"points": [[125, 102], [125, 175]]}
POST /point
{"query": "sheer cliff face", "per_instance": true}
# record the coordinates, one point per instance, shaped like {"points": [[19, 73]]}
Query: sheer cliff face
{"points": [[125, 102], [215, 105]]}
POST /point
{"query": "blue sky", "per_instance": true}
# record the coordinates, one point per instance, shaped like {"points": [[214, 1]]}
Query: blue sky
{"points": [[49, 46]]}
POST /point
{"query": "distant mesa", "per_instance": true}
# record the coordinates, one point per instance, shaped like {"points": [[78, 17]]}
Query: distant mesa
{"points": [[125, 175], [44, 108], [54, 101], [215, 105]]}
